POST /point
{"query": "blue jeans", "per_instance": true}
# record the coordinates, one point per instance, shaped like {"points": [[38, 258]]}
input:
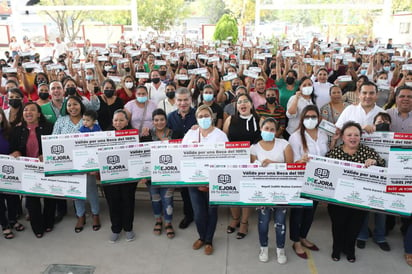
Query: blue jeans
{"points": [[407, 241], [280, 225], [378, 231], [92, 197], [205, 216], [162, 202]]}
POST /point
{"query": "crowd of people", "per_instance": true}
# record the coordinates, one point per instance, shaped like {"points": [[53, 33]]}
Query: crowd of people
{"points": [[275, 98]]}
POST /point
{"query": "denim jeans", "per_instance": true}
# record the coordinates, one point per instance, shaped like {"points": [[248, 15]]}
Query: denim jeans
{"points": [[162, 202], [92, 197], [205, 216], [378, 231], [280, 225], [407, 241]]}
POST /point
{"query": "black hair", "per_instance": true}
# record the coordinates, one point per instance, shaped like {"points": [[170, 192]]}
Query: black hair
{"points": [[384, 115], [350, 124], [159, 111], [42, 118], [91, 113], [302, 126]]}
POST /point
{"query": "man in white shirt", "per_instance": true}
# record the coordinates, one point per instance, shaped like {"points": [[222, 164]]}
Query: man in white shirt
{"points": [[59, 48], [364, 112]]}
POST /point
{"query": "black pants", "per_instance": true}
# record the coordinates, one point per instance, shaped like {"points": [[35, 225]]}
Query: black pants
{"points": [[9, 203], [300, 221], [41, 219], [346, 224], [121, 201], [187, 204], [61, 207]]}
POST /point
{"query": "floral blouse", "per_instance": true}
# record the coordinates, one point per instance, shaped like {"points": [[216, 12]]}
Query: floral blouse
{"points": [[362, 154]]}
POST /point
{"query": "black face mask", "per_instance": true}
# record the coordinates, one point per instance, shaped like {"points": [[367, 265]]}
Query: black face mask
{"points": [[382, 127], [191, 66], [162, 72], [271, 100], [290, 80], [29, 70], [234, 87], [155, 80], [170, 94], [200, 85], [127, 69], [96, 89], [15, 103], [109, 93], [70, 91], [44, 95], [273, 77]]}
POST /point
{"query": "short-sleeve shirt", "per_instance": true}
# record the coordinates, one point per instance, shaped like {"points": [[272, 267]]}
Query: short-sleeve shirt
{"points": [[137, 114], [284, 93]]}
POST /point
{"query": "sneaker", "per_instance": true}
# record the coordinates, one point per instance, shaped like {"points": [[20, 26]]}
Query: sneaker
{"points": [[264, 254], [280, 252], [114, 237], [130, 236]]}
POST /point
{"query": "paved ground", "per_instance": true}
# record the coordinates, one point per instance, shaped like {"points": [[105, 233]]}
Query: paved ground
{"points": [[157, 254]]}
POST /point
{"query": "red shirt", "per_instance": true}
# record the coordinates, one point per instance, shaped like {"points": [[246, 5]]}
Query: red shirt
{"points": [[121, 93]]}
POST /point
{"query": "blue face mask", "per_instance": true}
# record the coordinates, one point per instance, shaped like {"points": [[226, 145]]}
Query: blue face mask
{"points": [[393, 65], [89, 77], [386, 68], [204, 123], [363, 72], [141, 99], [267, 136], [208, 97]]}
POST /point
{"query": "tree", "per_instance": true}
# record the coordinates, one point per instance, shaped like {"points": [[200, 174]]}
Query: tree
{"points": [[161, 15], [213, 9], [226, 27], [68, 22]]}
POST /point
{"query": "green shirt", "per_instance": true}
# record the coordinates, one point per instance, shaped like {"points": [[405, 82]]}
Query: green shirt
{"points": [[284, 93]]}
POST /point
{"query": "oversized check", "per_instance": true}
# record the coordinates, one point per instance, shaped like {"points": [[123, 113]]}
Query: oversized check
{"points": [[169, 161], [77, 153], [122, 164], [26, 176], [252, 185], [400, 169], [351, 184], [382, 141]]}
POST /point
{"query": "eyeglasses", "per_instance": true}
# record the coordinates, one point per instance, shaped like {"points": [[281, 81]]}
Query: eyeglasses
{"points": [[245, 101], [313, 117]]}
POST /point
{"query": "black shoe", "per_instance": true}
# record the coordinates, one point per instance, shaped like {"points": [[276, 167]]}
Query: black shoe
{"points": [[185, 223], [384, 246], [361, 244]]}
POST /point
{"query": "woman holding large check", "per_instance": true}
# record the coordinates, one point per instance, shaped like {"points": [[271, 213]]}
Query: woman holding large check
{"points": [[205, 216], [308, 139], [26, 141], [346, 221]]}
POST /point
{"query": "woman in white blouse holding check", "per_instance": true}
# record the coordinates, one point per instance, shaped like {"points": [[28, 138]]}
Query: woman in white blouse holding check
{"points": [[308, 139]]}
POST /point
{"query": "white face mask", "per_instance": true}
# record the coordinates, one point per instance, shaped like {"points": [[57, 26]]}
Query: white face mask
{"points": [[409, 84], [310, 123], [107, 68], [307, 90], [128, 85]]}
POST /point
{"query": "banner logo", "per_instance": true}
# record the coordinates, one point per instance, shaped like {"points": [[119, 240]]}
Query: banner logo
{"points": [[7, 169], [165, 159], [322, 173], [113, 159], [57, 149], [224, 179]]}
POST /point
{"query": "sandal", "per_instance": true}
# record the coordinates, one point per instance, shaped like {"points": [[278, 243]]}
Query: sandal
{"points": [[39, 235], [244, 227], [170, 233], [230, 229], [18, 227], [49, 229], [96, 223], [8, 234], [81, 221], [157, 230]]}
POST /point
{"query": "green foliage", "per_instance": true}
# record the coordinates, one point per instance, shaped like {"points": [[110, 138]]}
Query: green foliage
{"points": [[226, 27], [161, 15]]}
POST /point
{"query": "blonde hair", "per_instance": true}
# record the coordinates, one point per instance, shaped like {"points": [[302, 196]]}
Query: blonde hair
{"points": [[203, 107]]}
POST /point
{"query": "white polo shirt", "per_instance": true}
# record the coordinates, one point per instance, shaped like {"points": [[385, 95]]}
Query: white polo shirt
{"points": [[357, 114]]}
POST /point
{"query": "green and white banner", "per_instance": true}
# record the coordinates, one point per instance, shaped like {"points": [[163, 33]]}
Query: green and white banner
{"points": [[351, 184], [400, 169], [252, 185], [77, 153], [122, 164], [25, 176], [186, 164]]}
